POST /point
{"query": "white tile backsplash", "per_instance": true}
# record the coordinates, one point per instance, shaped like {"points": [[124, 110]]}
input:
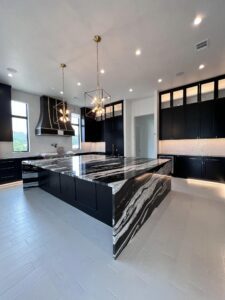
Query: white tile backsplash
{"points": [[201, 147]]}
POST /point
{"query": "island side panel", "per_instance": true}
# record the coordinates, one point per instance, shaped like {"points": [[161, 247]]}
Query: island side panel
{"points": [[135, 201]]}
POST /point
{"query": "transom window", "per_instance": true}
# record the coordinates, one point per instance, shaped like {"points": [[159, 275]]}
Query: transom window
{"points": [[20, 126]]}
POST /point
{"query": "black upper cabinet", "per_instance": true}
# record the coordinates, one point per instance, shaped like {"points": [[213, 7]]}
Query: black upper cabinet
{"points": [[91, 130], [166, 130], [207, 117], [193, 111], [114, 137], [5, 113], [219, 118], [178, 123], [192, 121]]}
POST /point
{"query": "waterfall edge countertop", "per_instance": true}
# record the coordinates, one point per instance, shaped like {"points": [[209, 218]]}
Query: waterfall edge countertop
{"points": [[99, 168]]}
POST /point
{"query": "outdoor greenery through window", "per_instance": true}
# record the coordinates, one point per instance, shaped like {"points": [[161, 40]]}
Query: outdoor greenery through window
{"points": [[20, 126], [75, 122]]}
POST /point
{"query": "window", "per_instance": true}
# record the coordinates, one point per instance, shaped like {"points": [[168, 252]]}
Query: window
{"points": [[75, 122], [20, 126]]}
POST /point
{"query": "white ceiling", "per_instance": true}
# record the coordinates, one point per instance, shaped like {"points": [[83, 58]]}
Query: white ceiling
{"points": [[36, 36]]}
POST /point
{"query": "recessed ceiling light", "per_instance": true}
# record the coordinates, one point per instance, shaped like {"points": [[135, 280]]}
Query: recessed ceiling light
{"points": [[130, 90], [79, 83], [138, 52], [10, 75], [61, 92], [159, 80], [201, 67], [197, 20], [102, 71], [11, 70]]}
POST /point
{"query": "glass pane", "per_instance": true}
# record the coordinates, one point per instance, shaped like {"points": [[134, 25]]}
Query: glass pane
{"points": [[108, 112], [221, 88], [76, 138], [118, 109], [19, 134], [207, 91], [75, 118], [165, 100], [192, 94], [19, 108], [178, 98]]}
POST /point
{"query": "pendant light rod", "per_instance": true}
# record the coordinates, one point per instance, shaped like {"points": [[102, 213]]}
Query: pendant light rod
{"points": [[63, 66], [97, 39]]}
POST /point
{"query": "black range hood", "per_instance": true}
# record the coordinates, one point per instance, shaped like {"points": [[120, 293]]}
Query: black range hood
{"points": [[49, 121]]}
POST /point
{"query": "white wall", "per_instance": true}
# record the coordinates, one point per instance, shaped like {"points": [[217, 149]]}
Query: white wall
{"points": [[38, 144], [135, 108]]}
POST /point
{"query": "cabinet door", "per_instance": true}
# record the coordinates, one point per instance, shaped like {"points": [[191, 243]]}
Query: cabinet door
{"points": [[219, 118], [178, 124], [207, 116], [109, 137], [68, 189], [194, 167], [166, 130], [118, 135], [180, 166], [86, 194], [192, 121], [214, 169]]}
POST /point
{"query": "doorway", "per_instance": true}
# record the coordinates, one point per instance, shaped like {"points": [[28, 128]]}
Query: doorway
{"points": [[144, 136]]}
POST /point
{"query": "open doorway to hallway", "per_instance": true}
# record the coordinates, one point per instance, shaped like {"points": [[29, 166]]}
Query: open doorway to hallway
{"points": [[144, 136]]}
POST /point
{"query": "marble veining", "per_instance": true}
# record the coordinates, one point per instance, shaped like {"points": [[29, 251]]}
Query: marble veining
{"points": [[99, 168]]}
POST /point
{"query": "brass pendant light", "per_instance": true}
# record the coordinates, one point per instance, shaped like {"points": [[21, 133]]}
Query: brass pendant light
{"points": [[97, 98]]}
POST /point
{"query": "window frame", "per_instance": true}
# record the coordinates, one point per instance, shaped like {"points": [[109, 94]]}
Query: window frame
{"points": [[27, 126], [79, 130]]}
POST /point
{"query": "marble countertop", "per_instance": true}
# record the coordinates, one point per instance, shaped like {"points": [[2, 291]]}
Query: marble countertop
{"points": [[99, 168]]}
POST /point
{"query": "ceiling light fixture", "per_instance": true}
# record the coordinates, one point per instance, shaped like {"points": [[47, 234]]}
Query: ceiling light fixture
{"points": [[79, 83], [10, 75], [96, 98], [197, 21], [201, 67], [138, 52], [61, 92], [131, 90], [159, 80], [102, 71]]}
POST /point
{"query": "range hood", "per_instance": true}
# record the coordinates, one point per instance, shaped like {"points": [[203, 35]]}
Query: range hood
{"points": [[49, 121]]}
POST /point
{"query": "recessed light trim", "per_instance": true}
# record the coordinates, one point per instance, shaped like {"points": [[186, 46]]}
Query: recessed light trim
{"points": [[160, 80], [201, 67], [79, 83], [102, 71], [131, 90], [138, 52], [197, 20]]}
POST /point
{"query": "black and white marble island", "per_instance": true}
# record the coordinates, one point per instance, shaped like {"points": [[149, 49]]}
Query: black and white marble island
{"points": [[121, 192]]}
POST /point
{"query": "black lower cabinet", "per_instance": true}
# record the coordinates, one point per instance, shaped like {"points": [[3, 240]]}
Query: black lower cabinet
{"points": [[198, 167], [86, 194], [214, 169], [50, 182], [68, 189], [187, 167]]}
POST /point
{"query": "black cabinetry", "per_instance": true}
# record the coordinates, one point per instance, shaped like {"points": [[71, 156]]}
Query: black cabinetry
{"points": [[5, 113], [91, 129], [114, 137], [193, 111], [198, 167]]}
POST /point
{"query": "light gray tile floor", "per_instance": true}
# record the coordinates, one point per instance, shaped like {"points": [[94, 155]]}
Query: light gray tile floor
{"points": [[50, 250]]}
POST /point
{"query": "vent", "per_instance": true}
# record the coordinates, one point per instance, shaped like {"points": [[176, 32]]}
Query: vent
{"points": [[202, 45]]}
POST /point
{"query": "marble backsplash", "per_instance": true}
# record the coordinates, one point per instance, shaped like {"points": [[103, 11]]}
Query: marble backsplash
{"points": [[201, 147]]}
